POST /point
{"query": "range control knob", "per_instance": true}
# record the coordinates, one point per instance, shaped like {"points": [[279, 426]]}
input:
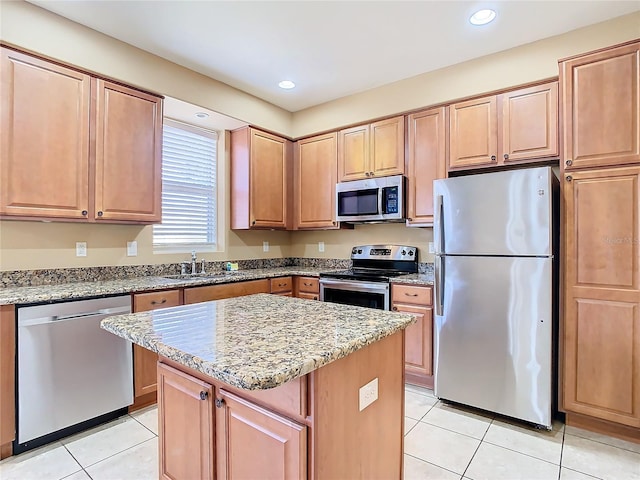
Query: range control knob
{"points": [[359, 250], [354, 250], [411, 253], [404, 252]]}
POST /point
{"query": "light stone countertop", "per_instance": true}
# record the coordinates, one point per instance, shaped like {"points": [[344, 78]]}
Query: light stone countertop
{"points": [[257, 342], [72, 291]]}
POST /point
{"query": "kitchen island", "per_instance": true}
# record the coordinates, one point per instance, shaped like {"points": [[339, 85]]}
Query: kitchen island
{"points": [[265, 386]]}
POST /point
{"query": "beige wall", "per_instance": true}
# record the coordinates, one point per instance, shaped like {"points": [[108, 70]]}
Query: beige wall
{"points": [[32, 245], [528, 63]]}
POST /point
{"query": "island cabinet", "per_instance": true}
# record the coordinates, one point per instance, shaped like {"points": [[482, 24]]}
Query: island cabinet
{"points": [[307, 287], [260, 180], [225, 290], [517, 126], [371, 150], [7, 379], [426, 162], [145, 379], [73, 145], [314, 173], [601, 108], [418, 348]]}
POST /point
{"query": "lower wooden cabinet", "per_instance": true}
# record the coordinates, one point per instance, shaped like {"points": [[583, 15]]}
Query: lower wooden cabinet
{"points": [[7, 379], [187, 435], [282, 286], [307, 287], [418, 344], [253, 442], [225, 290], [145, 378]]}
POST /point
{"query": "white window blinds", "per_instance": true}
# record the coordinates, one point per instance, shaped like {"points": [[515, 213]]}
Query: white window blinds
{"points": [[188, 187]]}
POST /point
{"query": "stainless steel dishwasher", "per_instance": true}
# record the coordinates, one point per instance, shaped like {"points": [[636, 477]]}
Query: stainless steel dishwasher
{"points": [[69, 370]]}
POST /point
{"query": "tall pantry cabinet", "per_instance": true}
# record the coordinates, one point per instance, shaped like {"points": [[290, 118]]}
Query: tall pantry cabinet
{"points": [[600, 94]]}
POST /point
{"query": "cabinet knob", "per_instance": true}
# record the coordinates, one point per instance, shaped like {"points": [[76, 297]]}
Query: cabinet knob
{"points": [[85, 213], [100, 213], [219, 402], [368, 174], [395, 309], [410, 294], [315, 297], [204, 395], [569, 178], [506, 156], [372, 174], [253, 222], [153, 302], [568, 163], [493, 158]]}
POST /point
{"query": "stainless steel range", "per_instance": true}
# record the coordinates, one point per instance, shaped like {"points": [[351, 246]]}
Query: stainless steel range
{"points": [[366, 283]]}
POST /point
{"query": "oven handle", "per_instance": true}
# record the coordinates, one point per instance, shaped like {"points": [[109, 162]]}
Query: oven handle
{"points": [[355, 286]]}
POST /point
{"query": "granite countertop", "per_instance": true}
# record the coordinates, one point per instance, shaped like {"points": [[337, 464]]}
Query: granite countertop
{"points": [[258, 341], [71, 291]]}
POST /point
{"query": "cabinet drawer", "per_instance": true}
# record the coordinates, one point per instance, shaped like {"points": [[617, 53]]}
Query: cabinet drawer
{"points": [[411, 294], [152, 300], [309, 296], [281, 284], [308, 285]]}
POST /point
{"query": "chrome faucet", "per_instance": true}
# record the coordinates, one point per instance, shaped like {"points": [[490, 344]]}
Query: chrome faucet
{"points": [[194, 259]]}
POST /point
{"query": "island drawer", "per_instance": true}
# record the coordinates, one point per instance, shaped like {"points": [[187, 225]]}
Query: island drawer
{"points": [[422, 295], [281, 284]]}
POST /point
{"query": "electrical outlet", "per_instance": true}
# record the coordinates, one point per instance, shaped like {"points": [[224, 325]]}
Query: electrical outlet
{"points": [[81, 249], [431, 248], [132, 249], [321, 246], [368, 393], [265, 246]]}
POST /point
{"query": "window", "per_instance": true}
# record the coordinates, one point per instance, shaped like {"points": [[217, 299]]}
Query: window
{"points": [[189, 187]]}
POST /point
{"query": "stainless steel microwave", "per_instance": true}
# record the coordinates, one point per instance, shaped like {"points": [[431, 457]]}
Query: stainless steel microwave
{"points": [[371, 200]]}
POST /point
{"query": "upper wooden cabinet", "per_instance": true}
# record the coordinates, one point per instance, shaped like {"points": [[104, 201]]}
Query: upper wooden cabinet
{"points": [[75, 147], [601, 108], [426, 162], [314, 172], [516, 126], [375, 149], [260, 180]]}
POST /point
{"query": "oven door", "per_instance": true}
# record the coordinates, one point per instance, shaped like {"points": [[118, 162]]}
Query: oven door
{"points": [[355, 292]]}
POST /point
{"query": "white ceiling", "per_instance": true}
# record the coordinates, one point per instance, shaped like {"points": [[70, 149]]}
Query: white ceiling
{"points": [[330, 49]]}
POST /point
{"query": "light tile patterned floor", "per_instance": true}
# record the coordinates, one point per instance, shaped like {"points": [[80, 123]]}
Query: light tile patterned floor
{"points": [[441, 442]]}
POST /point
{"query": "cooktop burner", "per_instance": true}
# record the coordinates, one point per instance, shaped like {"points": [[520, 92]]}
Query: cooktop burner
{"points": [[378, 263]]}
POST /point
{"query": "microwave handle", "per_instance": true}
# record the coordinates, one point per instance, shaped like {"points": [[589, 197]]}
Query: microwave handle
{"points": [[381, 195]]}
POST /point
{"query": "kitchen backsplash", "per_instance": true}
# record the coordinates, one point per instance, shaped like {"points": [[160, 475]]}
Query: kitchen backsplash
{"points": [[29, 278]]}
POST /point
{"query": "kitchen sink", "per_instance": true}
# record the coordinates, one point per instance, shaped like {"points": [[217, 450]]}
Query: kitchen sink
{"points": [[195, 276]]}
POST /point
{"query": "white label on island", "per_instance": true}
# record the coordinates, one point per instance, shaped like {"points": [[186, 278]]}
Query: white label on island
{"points": [[368, 393]]}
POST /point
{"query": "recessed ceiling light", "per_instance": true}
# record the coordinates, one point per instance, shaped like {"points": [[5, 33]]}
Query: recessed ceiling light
{"points": [[482, 17], [202, 115], [286, 84]]}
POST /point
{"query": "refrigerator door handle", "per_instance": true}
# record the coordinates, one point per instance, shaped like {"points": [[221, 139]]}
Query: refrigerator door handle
{"points": [[439, 284], [438, 231]]}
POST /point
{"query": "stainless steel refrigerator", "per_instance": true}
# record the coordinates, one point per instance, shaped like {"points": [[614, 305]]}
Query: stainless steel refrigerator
{"points": [[495, 239]]}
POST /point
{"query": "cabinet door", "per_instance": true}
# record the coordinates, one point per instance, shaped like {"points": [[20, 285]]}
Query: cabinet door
{"points": [[268, 180], [529, 123], [145, 377], [426, 162], [387, 147], [418, 353], [44, 136], [353, 153], [128, 159], [602, 294], [186, 429], [473, 133], [307, 285], [601, 108], [315, 177], [253, 442], [281, 285], [7, 379]]}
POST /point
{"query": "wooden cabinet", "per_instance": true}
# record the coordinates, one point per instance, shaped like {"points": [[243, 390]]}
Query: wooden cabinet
{"points": [[186, 436], [145, 377], [254, 442], [315, 170], [516, 126], [375, 149], [601, 108], [7, 379], [282, 286], [225, 290], [426, 162], [307, 287], [602, 294], [418, 344], [260, 180], [75, 147]]}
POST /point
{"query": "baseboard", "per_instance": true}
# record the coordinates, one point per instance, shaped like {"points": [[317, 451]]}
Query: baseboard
{"points": [[596, 425], [144, 401]]}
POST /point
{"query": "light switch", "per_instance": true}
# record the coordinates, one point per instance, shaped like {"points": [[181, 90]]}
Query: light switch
{"points": [[431, 248], [321, 246], [368, 394], [265, 246], [132, 249], [81, 249]]}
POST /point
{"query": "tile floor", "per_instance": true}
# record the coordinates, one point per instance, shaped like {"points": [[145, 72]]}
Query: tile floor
{"points": [[441, 442]]}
